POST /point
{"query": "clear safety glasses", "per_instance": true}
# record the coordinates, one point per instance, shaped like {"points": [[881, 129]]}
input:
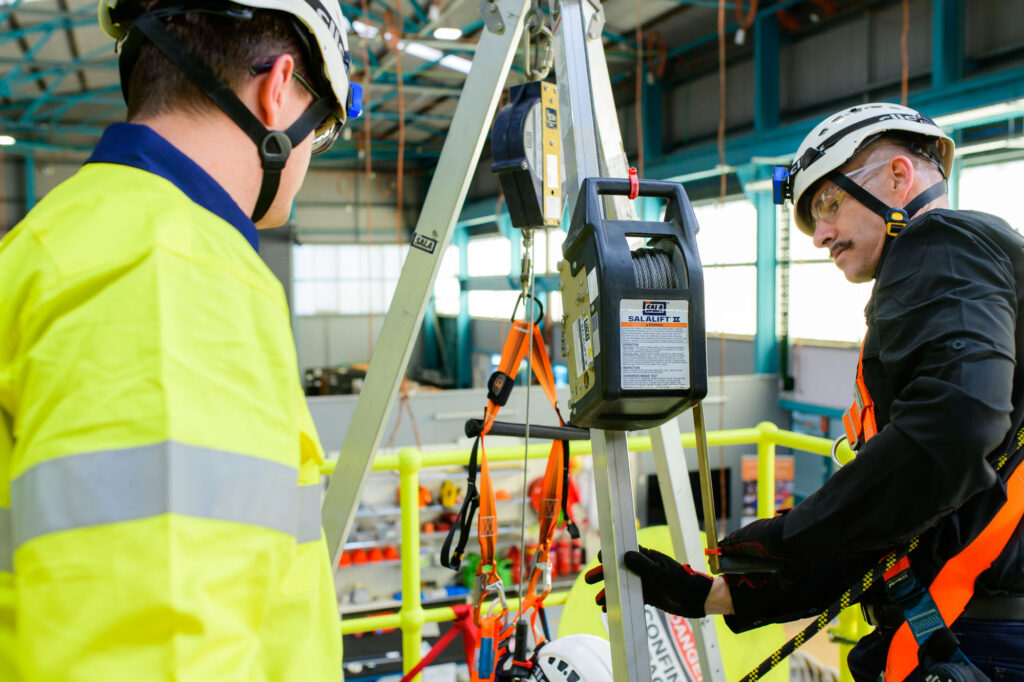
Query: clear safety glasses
{"points": [[327, 131], [826, 206]]}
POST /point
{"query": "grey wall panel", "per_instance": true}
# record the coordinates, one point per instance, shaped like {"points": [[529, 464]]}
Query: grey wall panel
{"points": [[883, 50], [823, 375], [693, 109], [330, 340], [993, 27], [825, 66]]}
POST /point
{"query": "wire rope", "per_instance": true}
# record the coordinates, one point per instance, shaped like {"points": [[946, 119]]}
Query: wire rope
{"points": [[528, 290]]}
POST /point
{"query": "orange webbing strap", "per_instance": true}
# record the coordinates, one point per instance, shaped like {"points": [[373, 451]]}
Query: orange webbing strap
{"points": [[553, 491], [500, 385], [953, 587], [859, 421]]}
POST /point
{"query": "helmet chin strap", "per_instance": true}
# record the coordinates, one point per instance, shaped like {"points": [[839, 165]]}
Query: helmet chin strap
{"points": [[274, 146], [895, 218]]}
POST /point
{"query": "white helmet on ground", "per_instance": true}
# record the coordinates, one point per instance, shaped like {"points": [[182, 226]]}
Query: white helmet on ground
{"points": [[837, 139], [574, 658]]}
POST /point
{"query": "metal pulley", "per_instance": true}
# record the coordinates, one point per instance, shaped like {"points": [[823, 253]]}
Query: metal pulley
{"points": [[633, 328]]}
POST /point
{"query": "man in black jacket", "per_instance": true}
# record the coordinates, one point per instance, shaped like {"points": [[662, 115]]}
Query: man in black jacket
{"points": [[939, 402]]}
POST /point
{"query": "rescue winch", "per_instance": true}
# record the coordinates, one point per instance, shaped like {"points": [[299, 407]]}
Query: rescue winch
{"points": [[633, 323]]}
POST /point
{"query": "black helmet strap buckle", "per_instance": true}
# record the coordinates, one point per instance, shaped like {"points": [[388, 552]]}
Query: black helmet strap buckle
{"points": [[895, 218], [274, 152]]}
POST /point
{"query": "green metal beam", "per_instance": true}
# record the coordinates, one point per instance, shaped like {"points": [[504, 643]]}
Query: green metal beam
{"points": [[947, 42]]}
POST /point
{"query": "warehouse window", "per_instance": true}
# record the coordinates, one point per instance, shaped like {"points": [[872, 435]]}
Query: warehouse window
{"points": [[346, 279], [727, 242], [992, 188], [446, 286], [489, 256], [823, 305]]}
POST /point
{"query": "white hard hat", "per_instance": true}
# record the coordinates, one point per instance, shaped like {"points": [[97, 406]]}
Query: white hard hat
{"points": [[575, 658], [323, 21], [837, 139]]}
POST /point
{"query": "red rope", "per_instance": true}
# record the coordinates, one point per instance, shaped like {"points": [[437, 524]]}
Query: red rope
{"points": [[463, 624]]}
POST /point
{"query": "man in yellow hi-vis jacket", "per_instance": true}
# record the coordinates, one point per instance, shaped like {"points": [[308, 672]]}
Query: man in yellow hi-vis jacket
{"points": [[159, 506]]}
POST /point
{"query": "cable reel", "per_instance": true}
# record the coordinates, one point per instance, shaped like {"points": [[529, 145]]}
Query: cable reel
{"points": [[633, 328]]}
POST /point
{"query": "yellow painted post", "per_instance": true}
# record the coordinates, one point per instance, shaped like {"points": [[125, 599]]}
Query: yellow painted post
{"points": [[850, 629], [411, 613], [766, 470]]}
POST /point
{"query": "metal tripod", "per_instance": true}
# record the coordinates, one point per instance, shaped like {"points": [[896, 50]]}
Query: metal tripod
{"points": [[592, 147]]}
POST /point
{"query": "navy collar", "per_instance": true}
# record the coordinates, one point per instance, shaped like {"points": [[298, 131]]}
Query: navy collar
{"points": [[134, 145]]}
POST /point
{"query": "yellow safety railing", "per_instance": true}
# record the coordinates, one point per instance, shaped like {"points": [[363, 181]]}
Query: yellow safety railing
{"points": [[412, 616]]}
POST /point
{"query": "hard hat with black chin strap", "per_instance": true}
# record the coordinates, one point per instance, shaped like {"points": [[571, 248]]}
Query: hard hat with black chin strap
{"points": [[838, 139], [320, 25]]}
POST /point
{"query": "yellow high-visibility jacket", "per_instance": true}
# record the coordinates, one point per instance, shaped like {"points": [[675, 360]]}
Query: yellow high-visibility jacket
{"points": [[159, 497]]}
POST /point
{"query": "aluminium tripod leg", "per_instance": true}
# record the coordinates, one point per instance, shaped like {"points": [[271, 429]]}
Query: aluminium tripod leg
{"points": [[677, 498], [627, 627], [471, 121]]}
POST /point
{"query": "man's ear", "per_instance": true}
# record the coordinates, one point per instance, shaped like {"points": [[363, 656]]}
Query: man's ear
{"points": [[901, 178], [271, 88]]}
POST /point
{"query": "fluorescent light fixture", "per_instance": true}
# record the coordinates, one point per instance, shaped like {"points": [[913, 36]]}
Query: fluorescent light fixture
{"points": [[424, 52], [430, 54], [456, 63], [447, 33], [363, 30], [981, 113], [990, 146], [7, 140]]}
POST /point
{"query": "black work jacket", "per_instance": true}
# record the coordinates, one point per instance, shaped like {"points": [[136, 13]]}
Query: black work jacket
{"points": [[945, 329]]}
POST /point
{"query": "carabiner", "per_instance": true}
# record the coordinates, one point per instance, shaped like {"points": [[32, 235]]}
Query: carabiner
{"points": [[540, 309], [835, 447], [545, 570]]}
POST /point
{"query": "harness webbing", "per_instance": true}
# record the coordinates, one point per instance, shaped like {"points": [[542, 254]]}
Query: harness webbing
{"points": [[953, 587], [859, 420], [491, 618]]}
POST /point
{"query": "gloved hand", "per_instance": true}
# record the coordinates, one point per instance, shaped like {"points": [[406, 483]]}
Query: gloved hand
{"points": [[761, 539], [668, 585]]}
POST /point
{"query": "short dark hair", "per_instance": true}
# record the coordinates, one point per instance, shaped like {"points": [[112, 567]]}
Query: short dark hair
{"points": [[923, 150], [228, 46]]}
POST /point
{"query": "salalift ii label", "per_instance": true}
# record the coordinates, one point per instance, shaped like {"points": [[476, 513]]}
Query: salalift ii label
{"points": [[655, 344]]}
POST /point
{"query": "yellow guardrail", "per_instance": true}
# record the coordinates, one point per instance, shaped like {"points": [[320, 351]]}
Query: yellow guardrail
{"points": [[411, 617]]}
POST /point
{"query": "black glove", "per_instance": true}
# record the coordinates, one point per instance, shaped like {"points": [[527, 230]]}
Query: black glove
{"points": [[668, 585], [761, 539]]}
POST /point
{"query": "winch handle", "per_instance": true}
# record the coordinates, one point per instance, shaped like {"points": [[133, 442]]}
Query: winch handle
{"points": [[648, 188]]}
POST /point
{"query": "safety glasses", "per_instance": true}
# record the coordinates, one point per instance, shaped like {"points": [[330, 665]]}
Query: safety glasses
{"points": [[826, 206], [327, 131]]}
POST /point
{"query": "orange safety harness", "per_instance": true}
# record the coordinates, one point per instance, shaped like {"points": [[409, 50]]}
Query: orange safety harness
{"points": [[492, 618], [937, 607], [859, 420]]}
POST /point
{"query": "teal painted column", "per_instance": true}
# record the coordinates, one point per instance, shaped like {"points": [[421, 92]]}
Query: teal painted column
{"points": [[30, 182], [947, 42], [766, 72], [652, 99], [766, 350], [652, 120], [463, 333]]}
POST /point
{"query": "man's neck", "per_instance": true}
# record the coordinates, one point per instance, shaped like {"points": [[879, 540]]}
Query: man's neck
{"points": [[217, 146]]}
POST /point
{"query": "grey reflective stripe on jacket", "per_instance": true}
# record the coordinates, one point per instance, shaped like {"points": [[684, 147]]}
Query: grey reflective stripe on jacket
{"points": [[110, 486]]}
